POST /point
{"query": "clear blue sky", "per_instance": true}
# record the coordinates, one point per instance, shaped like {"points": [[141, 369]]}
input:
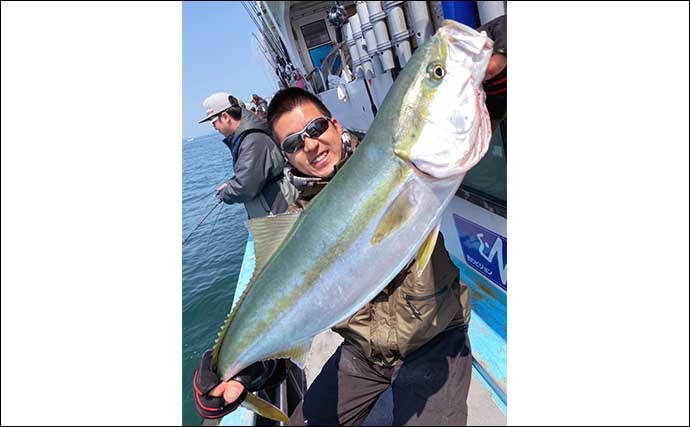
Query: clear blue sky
{"points": [[218, 54]]}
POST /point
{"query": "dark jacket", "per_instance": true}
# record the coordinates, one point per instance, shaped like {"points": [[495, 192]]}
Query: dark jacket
{"points": [[258, 166], [497, 31], [496, 88], [410, 311]]}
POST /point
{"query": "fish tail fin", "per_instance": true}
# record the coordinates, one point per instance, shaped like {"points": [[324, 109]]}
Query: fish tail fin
{"points": [[264, 408]]}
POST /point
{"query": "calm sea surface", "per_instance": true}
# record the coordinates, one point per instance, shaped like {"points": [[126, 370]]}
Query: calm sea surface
{"points": [[212, 257]]}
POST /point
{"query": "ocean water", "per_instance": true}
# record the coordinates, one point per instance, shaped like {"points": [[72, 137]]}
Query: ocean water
{"points": [[211, 258]]}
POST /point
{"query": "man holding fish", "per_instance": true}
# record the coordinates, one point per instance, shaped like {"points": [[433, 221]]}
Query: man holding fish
{"points": [[365, 257]]}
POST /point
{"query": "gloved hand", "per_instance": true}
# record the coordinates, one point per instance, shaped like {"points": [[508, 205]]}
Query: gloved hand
{"points": [[205, 380], [253, 378]]}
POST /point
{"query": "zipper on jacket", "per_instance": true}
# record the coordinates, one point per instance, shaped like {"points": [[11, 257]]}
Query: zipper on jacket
{"points": [[414, 311], [409, 298]]}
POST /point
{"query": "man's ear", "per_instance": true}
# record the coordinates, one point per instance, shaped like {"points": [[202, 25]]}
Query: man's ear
{"points": [[235, 122], [337, 125]]}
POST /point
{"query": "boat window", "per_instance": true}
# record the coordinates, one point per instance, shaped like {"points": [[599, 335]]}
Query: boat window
{"points": [[315, 34], [489, 175]]}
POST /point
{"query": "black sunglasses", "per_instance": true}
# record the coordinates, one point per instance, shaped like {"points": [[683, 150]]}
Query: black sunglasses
{"points": [[314, 129]]}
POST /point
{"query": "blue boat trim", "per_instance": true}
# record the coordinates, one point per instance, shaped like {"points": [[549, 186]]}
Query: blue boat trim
{"points": [[242, 416], [488, 331]]}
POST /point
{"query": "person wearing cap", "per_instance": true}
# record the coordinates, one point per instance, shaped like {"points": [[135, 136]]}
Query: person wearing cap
{"points": [[261, 105], [257, 162]]}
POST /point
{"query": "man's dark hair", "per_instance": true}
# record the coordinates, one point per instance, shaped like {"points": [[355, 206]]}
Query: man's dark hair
{"points": [[235, 110], [288, 99]]}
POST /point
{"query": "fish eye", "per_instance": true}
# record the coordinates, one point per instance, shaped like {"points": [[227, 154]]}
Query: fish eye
{"points": [[435, 71]]}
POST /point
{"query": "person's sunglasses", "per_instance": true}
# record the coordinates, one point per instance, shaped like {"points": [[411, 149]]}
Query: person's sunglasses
{"points": [[213, 120], [314, 129]]}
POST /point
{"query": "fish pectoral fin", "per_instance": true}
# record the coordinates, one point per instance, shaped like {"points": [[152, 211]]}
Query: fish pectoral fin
{"points": [[397, 214], [297, 354], [264, 408], [424, 252]]}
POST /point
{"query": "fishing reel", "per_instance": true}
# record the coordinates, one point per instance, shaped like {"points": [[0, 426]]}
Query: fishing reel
{"points": [[337, 16]]}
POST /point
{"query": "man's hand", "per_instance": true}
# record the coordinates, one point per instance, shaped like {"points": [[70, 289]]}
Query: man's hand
{"points": [[497, 63], [208, 404], [230, 391], [225, 184], [215, 398], [219, 191]]}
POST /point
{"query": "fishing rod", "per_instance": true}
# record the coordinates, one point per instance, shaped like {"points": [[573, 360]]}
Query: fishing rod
{"points": [[268, 60], [273, 37], [269, 48], [262, 45], [201, 222], [210, 234], [259, 13], [264, 51], [263, 29]]}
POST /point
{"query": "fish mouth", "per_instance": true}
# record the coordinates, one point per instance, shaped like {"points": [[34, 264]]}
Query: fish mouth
{"points": [[429, 170], [414, 167], [420, 172], [460, 36], [449, 24]]}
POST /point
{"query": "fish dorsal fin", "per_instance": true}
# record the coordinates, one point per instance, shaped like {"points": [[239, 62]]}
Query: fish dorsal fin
{"points": [[269, 233], [264, 408], [297, 354], [424, 252]]}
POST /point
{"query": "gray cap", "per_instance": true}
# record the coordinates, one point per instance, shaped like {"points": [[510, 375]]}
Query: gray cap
{"points": [[216, 104]]}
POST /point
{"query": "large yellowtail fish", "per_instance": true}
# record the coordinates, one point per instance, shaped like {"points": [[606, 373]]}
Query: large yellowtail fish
{"points": [[381, 210]]}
